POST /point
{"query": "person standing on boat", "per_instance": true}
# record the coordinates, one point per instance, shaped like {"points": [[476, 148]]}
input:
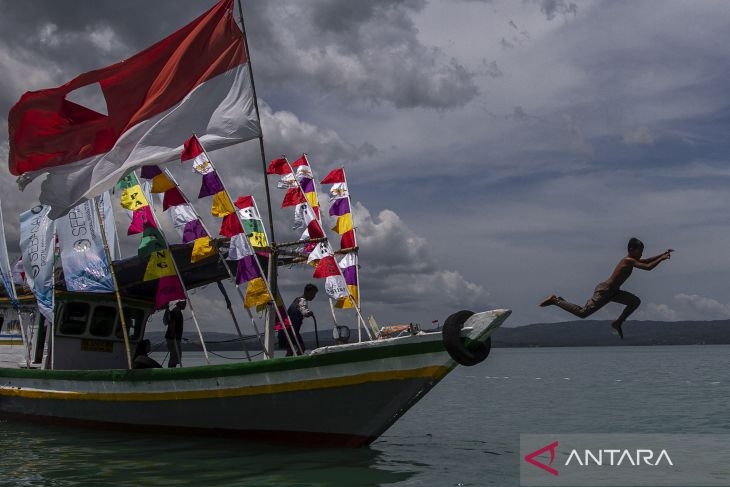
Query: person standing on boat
{"points": [[173, 335], [609, 291], [298, 310]]}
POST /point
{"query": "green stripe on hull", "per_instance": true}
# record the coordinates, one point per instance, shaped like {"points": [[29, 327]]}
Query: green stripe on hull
{"points": [[237, 369]]}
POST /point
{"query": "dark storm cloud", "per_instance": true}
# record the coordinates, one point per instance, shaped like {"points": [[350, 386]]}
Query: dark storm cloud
{"points": [[358, 51]]}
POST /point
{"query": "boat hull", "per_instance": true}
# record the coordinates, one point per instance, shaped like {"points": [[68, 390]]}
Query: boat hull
{"points": [[337, 396]]}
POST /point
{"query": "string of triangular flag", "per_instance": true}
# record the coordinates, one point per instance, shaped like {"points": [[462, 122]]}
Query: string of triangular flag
{"points": [[242, 224], [340, 207], [321, 254]]}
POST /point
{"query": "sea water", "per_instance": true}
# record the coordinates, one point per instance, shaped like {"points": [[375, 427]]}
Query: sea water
{"points": [[465, 432]]}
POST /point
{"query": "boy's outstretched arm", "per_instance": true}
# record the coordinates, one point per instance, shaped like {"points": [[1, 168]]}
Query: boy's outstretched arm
{"points": [[652, 263], [648, 260]]}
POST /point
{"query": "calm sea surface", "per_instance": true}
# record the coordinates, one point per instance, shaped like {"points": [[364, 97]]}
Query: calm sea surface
{"points": [[464, 433]]}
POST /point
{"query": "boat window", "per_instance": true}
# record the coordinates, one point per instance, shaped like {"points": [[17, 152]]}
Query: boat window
{"points": [[74, 320], [135, 319], [102, 322]]}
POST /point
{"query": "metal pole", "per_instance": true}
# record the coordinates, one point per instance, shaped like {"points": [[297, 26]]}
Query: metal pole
{"points": [[120, 308], [316, 333]]}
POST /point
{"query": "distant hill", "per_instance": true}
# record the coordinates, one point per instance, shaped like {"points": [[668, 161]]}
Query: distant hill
{"points": [[586, 333], [594, 333]]}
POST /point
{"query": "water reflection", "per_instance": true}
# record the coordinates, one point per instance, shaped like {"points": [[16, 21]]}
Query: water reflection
{"points": [[33, 455]]}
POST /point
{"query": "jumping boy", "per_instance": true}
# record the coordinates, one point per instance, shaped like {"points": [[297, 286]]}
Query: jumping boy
{"points": [[610, 290]]}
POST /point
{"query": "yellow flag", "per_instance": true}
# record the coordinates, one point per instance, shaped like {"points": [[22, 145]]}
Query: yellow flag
{"points": [[159, 265], [161, 183], [202, 248], [256, 293], [221, 205], [312, 198], [133, 198], [257, 239], [344, 223], [346, 302]]}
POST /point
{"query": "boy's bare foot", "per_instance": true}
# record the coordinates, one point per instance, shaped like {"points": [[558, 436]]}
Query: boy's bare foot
{"points": [[548, 301], [617, 326]]}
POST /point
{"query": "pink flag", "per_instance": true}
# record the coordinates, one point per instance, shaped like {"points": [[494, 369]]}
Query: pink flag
{"points": [[168, 289], [141, 219]]}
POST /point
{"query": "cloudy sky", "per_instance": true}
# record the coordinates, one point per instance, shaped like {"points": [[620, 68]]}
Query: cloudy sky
{"points": [[498, 151]]}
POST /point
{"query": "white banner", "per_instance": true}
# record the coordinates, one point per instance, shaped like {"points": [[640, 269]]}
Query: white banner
{"points": [[85, 266], [37, 243]]}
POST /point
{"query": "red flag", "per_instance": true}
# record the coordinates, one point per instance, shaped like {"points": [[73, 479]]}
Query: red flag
{"points": [[326, 267], [244, 201], [335, 176], [278, 166], [231, 226], [293, 197], [191, 149], [182, 84], [302, 161], [172, 197], [315, 231], [347, 241]]}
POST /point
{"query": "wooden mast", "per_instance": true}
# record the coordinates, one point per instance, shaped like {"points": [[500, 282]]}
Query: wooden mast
{"points": [[272, 268]]}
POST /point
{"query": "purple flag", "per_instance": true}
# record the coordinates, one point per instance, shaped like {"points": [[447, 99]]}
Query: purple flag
{"points": [[148, 172], [211, 185], [307, 185], [340, 207], [247, 270], [350, 274], [193, 230]]}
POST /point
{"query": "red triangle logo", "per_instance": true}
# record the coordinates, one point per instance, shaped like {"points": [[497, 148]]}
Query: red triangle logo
{"points": [[551, 448]]}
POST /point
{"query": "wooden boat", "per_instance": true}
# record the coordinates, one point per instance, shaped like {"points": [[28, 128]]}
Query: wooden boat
{"points": [[342, 395], [78, 371]]}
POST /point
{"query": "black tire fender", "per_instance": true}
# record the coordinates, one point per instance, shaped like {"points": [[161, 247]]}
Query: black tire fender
{"points": [[454, 344]]}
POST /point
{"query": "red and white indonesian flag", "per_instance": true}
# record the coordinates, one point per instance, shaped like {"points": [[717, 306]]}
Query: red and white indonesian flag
{"points": [[194, 81]]}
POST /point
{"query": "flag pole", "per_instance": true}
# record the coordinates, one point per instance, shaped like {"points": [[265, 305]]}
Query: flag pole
{"points": [[120, 308], [319, 219], [180, 278], [258, 116], [8, 282], [223, 260], [272, 275], [269, 286], [301, 191], [357, 267]]}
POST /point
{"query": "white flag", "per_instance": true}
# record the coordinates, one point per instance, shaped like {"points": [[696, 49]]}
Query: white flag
{"points": [[37, 245], [335, 287], [337, 191], [239, 247], [85, 266]]}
